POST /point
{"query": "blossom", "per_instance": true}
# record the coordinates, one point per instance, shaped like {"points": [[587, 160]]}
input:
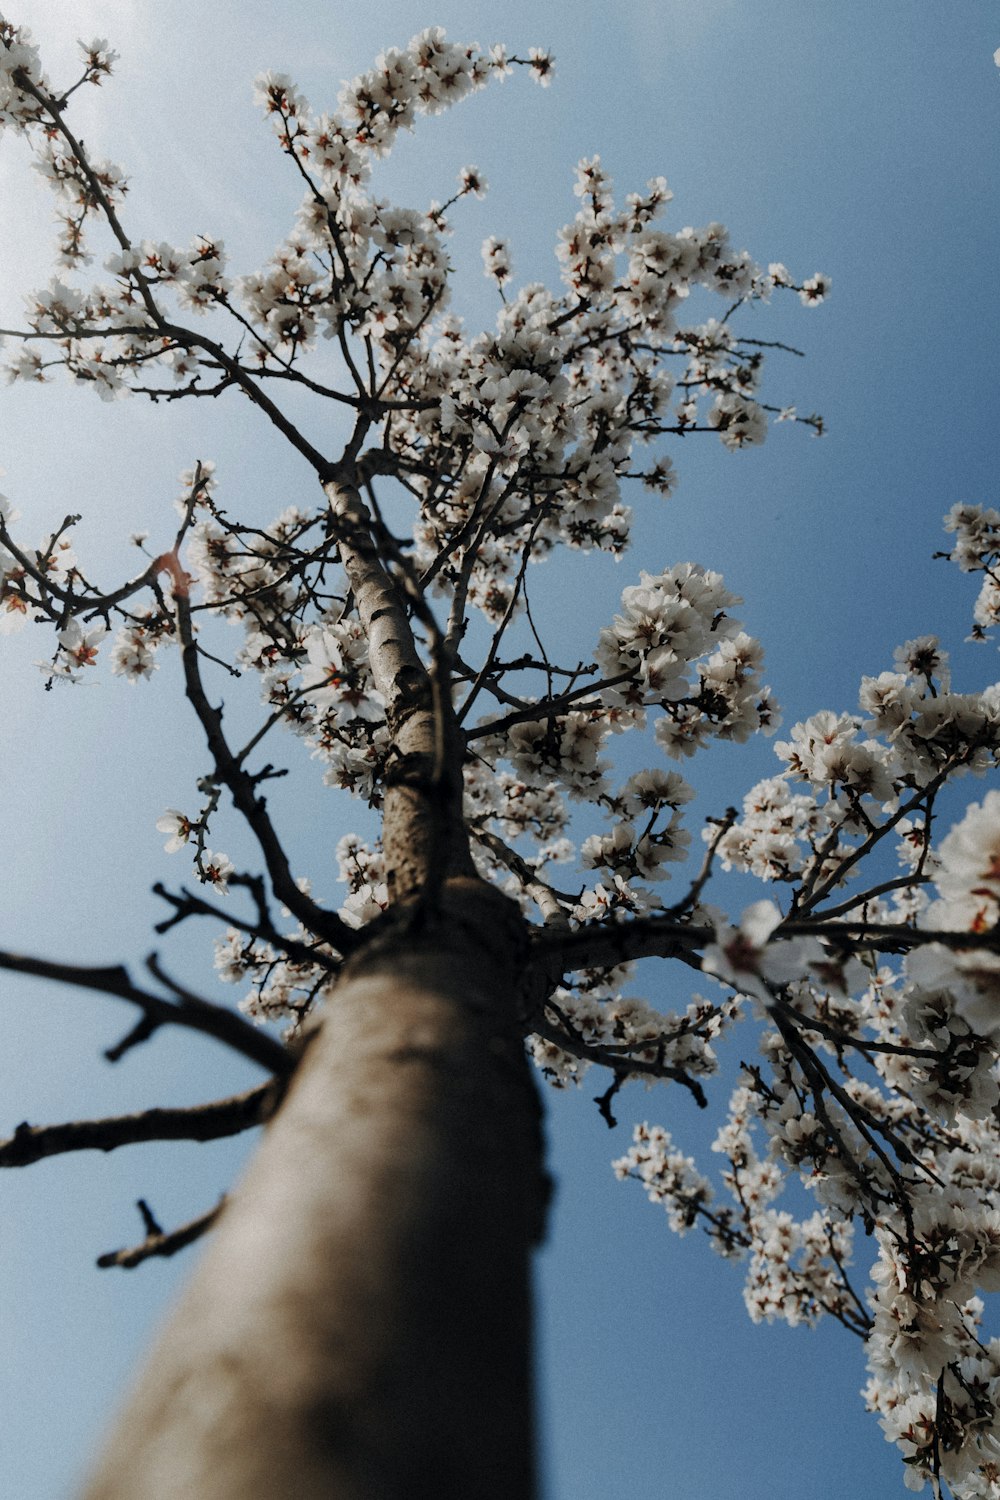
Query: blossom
{"points": [[77, 650], [814, 290], [496, 260], [365, 903], [923, 658], [178, 826], [132, 656], [968, 877], [745, 957], [337, 677], [970, 980], [542, 66], [473, 181], [214, 869]]}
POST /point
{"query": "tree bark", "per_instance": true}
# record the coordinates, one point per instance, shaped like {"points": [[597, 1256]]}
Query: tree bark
{"points": [[423, 832], [359, 1328]]}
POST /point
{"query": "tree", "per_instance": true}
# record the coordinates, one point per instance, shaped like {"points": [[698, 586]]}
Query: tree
{"points": [[511, 446]]}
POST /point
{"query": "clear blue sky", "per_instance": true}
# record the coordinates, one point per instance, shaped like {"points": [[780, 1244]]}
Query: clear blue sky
{"points": [[856, 139]]}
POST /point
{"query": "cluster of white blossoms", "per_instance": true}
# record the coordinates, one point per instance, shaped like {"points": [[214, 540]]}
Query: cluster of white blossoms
{"points": [[287, 979], [79, 191], [637, 848], [512, 441], [912, 735], [283, 988], [796, 1268], [914, 1151], [935, 1376], [595, 1022], [977, 550], [676, 646], [875, 987], [968, 873]]}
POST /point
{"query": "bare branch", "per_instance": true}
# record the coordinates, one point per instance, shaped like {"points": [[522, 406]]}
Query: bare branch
{"points": [[199, 1122], [189, 1010], [160, 1242], [548, 708]]}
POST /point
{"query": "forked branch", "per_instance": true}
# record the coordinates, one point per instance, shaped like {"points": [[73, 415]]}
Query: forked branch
{"points": [[160, 1241], [187, 1009]]}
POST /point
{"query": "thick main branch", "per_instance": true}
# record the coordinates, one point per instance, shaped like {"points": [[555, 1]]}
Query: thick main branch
{"points": [[423, 831]]}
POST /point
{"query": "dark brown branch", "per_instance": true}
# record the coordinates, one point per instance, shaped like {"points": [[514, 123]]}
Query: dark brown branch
{"points": [[96, 603], [549, 708], [199, 1122], [815, 889], [618, 1059], [604, 945], [770, 344], [243, 790], [887, 937], [690, 900], [603, 1101], [160, 1242], [187, 904], [607, 944], [188, 1010]]}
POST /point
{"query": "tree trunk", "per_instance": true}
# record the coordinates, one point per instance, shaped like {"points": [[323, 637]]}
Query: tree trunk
{"points": [[359, 1328]]}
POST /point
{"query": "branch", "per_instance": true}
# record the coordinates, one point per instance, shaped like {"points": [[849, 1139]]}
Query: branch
{"points": [[158, 1241], [816, 889], [187, 904], [77, 604], [424, 834], [618, 1059], [888, 937], [603, 1101], [488, 665], [188, 1010], [243, 790], [546, 897], [199, 1122], [690, 901], [604, 945], [162, 328], [548, 708], [600, 945]]}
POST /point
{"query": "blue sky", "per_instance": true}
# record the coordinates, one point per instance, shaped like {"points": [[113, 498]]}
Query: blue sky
{"points": [[855, 139]]}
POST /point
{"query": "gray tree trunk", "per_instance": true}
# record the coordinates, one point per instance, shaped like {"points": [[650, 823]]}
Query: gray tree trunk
{"points": [[359, 1327]]}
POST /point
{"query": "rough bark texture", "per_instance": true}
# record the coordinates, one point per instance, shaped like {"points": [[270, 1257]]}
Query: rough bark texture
{"points": [[359, 1329]]}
